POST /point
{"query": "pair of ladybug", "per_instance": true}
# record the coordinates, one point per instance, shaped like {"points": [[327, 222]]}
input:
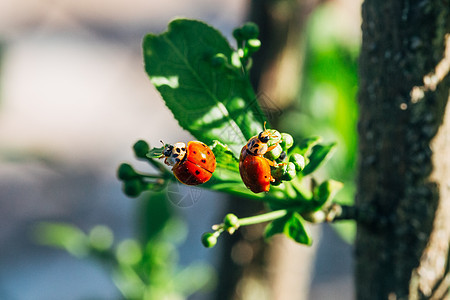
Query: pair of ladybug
{"points": [[194, 164]]}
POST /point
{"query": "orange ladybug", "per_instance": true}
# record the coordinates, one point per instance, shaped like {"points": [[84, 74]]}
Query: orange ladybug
{"points": [[192, 165], [253, 166]]}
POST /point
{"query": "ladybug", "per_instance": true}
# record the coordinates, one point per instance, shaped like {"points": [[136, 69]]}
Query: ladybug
{"points": [[253, 166], [192, 165]]}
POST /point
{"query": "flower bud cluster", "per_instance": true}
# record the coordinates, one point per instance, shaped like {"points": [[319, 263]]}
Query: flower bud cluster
{"points": [[134, 183], [230, 224], [286, 166]]}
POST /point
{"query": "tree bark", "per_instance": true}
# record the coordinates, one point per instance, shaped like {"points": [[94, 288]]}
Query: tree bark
{"points": [[404, 151]]}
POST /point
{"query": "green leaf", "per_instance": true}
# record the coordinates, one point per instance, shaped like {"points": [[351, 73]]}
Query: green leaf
{"points": [[276, 226], [305, 146], [295, 229], [292, 226], [156, 152], [226, 177], [211, 103], [319, 155], [225, 180], [325, 192], [62, 235], [225, 158]]}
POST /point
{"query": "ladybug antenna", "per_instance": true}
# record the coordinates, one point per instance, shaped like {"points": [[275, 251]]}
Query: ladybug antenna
{"points": [[270, 133]]}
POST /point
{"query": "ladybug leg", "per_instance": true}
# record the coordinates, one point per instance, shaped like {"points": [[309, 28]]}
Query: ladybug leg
{"points": [[272, 147], [271, 163]]}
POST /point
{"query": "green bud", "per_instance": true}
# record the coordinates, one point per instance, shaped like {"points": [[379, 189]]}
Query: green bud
{"points": [[132, 188], [290, 172], [279, 171], [209, 239], [231, 221], [276, 182], [236, 59], [274, 153], [141, 149], [129, 252], [275, 137], [314, 216], [298, 160], [126, 172], [250, 31], [253, 45], [101, 237], [237, 34], [282, 157], [286, 141], [219, 60]]}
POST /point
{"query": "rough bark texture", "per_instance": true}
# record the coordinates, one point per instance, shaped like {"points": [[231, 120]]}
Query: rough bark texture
{"points": [[404, 151]]}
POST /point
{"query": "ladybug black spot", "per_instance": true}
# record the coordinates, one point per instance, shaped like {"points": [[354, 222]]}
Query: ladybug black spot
{"points": [[204, 161], [204, 145], [175, 155], [265, 176], [178, 150], [197, 172], [208, 152], [195, 152], [184, 149]]}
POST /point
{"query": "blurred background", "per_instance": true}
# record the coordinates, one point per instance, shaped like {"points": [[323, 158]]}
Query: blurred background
{"points": [[74, 97]]}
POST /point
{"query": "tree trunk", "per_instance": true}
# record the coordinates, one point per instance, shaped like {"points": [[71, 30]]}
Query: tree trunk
{"points": [[402, 245]]}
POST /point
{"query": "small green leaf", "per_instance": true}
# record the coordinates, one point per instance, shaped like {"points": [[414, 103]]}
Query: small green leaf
{"points": [[319, 154], [305, 146], [292, 226], [156, 152], [62, 235], [295, 229], [211, 103], [276, 226], [225, 158], [226, 177], [225, 180], [325, 192]]}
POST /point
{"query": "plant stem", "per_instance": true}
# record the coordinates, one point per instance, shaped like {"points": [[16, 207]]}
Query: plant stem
{"points": [[152, 176], [361, 214], [276, 214], [159, 166]]}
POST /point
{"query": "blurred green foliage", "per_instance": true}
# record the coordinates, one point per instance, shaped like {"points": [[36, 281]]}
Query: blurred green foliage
{"points": [[328, 105], [141, 268]]}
